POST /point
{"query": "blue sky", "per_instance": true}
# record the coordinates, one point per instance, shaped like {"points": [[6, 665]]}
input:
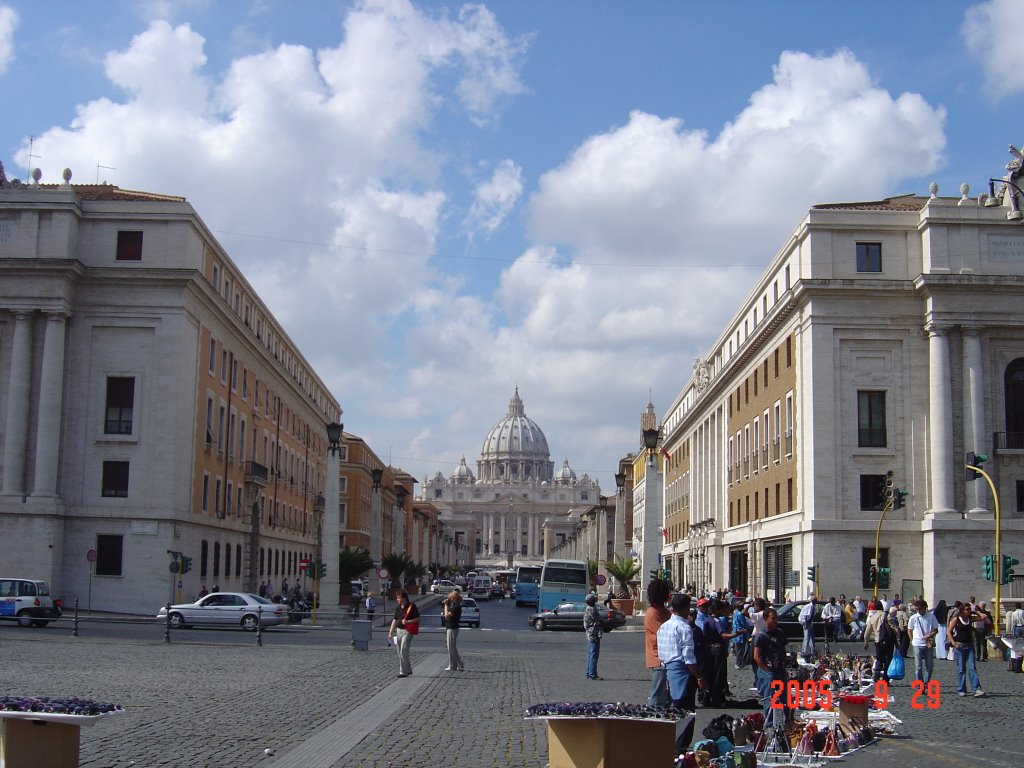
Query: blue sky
{"points": [[441, 201]]}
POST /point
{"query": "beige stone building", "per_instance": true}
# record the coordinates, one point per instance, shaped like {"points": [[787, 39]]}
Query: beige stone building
{"points": [[149, 403], [884, 341]]}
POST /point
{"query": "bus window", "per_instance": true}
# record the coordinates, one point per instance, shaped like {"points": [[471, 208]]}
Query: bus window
{"points": [[562, 581]]}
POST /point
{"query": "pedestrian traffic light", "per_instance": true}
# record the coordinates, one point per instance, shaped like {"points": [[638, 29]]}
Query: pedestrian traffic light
{"points": [[988, 567], [974, 460], [186, 564], [812, 573], [1006, 572], [897, 499], [883, 577]]}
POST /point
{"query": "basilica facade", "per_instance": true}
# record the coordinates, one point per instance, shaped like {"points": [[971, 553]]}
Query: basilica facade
{"points": [[515, 499]]}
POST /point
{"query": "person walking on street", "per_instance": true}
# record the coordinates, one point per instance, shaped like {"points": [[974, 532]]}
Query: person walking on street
{"points": [[371, 607], [808, 648], [741, 629], [451, 613], [770, 660], [924, 628], [960, 635], [404, 626], [658, 592], [592, 626]]}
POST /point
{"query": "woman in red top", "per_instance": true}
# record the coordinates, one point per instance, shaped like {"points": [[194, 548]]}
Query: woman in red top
{"points": [[658, 593]]}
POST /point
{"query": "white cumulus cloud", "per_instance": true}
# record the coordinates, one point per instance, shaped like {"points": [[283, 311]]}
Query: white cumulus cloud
{"points": [[8, 23], [992, 33], [495, 198]]}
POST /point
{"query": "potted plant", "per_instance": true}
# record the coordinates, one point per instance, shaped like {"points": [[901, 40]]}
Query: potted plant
{"points": [[623, 570]]}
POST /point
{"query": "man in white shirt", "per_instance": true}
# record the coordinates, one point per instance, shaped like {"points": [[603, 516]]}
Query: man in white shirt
{"points": [[861, 608], [807, 623], [1015, 621], [677, 655], [832, 615], [923, 628]]}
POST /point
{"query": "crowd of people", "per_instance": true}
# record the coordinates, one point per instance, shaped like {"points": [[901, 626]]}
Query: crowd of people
{"points": [[687, 643]]}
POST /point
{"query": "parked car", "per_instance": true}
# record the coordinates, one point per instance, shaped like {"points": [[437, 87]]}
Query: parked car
{"points": [[227, 609], [789, 622], [570, 616], [443, 586], [27, 601], [470, 613]]}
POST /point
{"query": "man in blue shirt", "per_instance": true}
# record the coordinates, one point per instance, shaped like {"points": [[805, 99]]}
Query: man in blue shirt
{"points": [[676, 653]]}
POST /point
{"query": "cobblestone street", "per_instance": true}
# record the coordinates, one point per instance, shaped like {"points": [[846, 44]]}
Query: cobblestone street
{"points": [[223, 705]]}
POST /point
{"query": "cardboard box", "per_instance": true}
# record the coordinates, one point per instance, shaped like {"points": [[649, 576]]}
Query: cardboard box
{"points": [[38, 744], [610, 742]]}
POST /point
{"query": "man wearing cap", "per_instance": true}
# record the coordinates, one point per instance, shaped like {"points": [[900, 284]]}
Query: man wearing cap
{"points": [[714, 653]]}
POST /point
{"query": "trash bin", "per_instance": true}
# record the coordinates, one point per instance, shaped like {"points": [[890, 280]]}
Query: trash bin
{"points": [[361, 633]]}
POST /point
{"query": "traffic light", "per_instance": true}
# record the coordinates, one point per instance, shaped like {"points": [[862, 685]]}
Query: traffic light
{"points": [[323, 570], [988, 567], [1006, 572], [175, 566], [974, 460], [888, 489], [883, 577], [897, 499], [812, 573], [186, 564], [654, 574]]}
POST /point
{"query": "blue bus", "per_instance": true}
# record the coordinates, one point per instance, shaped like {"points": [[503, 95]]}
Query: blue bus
{"points": [[562, 581], [525, 589]]}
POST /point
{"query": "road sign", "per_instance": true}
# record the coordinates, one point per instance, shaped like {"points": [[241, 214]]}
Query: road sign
{"points": [[382, 573], [600, 580], [173, 566], [91, 555], [303, 563]]}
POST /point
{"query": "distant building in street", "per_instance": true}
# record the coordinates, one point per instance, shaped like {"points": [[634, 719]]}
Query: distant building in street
{"points": [[884, 341], [514, 496]]}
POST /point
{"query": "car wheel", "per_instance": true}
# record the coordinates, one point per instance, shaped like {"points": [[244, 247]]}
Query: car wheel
{"points": [[538, 624], [40, 623], [249, 622], [24, 619], [177, 621]]}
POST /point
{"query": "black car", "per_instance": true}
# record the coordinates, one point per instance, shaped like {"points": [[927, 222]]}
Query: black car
{"points": [[789, 621], [570, 616]]}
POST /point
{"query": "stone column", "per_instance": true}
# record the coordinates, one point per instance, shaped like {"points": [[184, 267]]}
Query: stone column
{"points": [[519, 535], [51, 391], [974, 418], [940, 422], [488, 533], [330, 585], [19, 386]]}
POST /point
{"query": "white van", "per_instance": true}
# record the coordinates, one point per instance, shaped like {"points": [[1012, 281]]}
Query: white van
{"points": [[481, 587], [27, 601]]}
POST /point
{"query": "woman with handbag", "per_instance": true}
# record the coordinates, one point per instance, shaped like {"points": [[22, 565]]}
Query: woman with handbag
{"points": [[404, 626]]}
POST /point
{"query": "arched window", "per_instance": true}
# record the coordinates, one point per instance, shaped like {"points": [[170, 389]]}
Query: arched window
{"points": [[1013, 392]]}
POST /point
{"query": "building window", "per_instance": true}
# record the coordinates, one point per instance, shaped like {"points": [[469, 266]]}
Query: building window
{"points": [[343, 484], [227, 561], [238, 560], [204, 556], [216, 559], [869, 257], [872, 492], [109, 550], [213, 355], [1020, 497], [115, 478], [129, 246], [206, 492], [120, 405], [871, 419]]}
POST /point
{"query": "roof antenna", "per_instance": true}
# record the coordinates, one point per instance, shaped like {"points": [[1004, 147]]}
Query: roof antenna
{"points": [[31, 141], [98, 166]]}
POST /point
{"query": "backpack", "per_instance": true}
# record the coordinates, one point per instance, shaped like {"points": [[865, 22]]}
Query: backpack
{"points": [[886, 634], [718, 727]]}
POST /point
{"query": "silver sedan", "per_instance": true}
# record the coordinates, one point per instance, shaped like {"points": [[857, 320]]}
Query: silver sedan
{"points": [[227, 609]]}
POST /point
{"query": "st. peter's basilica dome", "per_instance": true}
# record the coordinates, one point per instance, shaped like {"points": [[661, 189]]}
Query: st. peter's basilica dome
{"points": [[515, 449]]}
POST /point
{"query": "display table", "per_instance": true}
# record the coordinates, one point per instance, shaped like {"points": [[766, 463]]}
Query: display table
{"points": [[42, 740], [612, 742]]}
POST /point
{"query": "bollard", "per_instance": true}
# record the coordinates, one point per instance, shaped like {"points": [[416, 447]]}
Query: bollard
{"points": [[167, 625], [259, 626], [74, 621]]}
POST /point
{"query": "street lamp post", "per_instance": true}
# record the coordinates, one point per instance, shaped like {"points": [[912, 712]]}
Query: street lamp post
{"points": [[330, 585], [377, 474], [653, 514]]}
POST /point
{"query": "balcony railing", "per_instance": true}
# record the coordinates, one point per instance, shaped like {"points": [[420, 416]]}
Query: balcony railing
{"points": [[256, 473], [775, 449], [789, 443], [1008, 441], [118, 426]]}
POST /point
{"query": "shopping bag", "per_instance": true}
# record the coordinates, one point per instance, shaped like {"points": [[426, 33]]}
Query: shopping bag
{"points": [[897, 669]]}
